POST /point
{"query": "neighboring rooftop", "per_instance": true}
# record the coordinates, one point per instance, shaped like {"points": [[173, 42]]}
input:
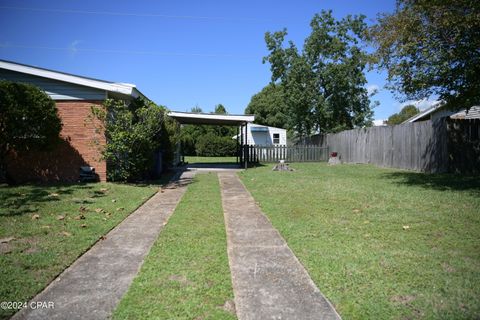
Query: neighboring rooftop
{"points": [[439, 110]]}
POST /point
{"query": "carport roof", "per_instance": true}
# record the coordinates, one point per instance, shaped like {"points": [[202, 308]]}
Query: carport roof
{"points": [[211, 118]]}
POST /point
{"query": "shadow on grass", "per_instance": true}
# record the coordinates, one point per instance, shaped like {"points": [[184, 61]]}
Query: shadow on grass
{"points": [[441, 182], [21, 200]]}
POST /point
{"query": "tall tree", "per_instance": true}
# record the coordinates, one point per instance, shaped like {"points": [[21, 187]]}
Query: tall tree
{"points": [[220, 109], [432, 47], [28, 120], [269, 106], [324, 85], [406, 113]]}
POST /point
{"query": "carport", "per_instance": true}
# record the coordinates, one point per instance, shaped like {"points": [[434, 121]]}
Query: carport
{"points": [[239, 121]]}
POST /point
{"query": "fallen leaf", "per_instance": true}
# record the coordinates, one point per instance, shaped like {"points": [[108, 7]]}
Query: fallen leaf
{"points": [[406, 227], [7, 240], [83, 225], [103, 238], [108, 214], [103, 190], [35, 217], [53, 194], [60, 217], [45, 227], [82, 209], [99, 210], [113, 200], [66, 234], [355, 210], [79, 217], [120, 209], [104, 219]]}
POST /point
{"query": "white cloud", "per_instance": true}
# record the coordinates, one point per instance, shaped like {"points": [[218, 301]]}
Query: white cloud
{"points": [[421, 104], [372, 89], [379, 122], [72, 48]]}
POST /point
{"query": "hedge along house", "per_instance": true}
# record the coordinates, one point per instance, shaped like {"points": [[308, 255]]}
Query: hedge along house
{"points": [[74, 96]]}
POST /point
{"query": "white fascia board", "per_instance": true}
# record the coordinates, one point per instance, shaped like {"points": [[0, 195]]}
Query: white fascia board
{"points": [[108, 86], [231, 117]]}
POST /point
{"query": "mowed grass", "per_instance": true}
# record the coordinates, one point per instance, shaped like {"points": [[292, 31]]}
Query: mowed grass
{"points": [[380, 243], [193, 159], [43, 229], [186, 274]]}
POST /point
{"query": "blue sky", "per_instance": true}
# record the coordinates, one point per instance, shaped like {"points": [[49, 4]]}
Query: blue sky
{"points": [[178, 53]]}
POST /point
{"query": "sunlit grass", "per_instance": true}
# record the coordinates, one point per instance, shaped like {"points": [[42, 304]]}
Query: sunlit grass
{"points": [[380, 243]]}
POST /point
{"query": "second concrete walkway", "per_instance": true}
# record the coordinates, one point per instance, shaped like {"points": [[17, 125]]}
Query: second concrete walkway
{"points": [[268, 280], [94, 284]]}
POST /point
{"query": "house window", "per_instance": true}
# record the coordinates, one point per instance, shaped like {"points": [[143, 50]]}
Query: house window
{"points": [[276, 138]]}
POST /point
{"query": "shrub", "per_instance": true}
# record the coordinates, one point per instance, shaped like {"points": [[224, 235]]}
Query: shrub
{"points": [[28, 120], [134, 132], [211, 145]]}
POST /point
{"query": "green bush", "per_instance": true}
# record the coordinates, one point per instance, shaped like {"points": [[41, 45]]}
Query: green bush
{"points": [[212, 145], [134, 132], [28, 120]]}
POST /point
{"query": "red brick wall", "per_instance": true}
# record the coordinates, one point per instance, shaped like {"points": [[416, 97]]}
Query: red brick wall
{"points": [[77, 148]]}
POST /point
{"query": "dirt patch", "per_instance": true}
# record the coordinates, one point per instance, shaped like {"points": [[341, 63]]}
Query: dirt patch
{"points": [[29, 245], [6, 248], [405, 300], [229, 307], [180, 279], [448, 268]]}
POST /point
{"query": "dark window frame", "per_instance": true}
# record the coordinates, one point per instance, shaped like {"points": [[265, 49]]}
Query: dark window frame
{"points": [[276, 138]]}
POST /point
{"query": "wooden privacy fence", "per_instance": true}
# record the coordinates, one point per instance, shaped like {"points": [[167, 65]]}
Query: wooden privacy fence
{"points": [[303, 153], [430, 146]]}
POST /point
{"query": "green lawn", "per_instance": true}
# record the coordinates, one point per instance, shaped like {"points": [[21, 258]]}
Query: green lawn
{"points": [[52, 226], [380, 243], [193, 159], [186, 274]]}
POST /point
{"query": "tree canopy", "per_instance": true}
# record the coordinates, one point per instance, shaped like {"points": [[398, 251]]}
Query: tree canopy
{"points": [[323, 85], [28, 120], [431, 47], [269, 106], [406, 113]]}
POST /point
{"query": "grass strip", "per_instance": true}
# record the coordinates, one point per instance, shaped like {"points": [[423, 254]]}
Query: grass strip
{"points": [[186, 274], [194, 159], [380, 243]]}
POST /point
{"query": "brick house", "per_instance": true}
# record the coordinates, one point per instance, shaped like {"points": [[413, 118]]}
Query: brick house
{"points": [[74, 95]]}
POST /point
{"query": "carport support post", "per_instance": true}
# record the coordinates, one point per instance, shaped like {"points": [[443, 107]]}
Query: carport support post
{"points": [[241, 143], [246, 146], [238, 144]]}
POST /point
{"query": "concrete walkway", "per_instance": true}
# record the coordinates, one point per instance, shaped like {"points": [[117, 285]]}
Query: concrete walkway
{"points": [[268, 280], [94, 284]]}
